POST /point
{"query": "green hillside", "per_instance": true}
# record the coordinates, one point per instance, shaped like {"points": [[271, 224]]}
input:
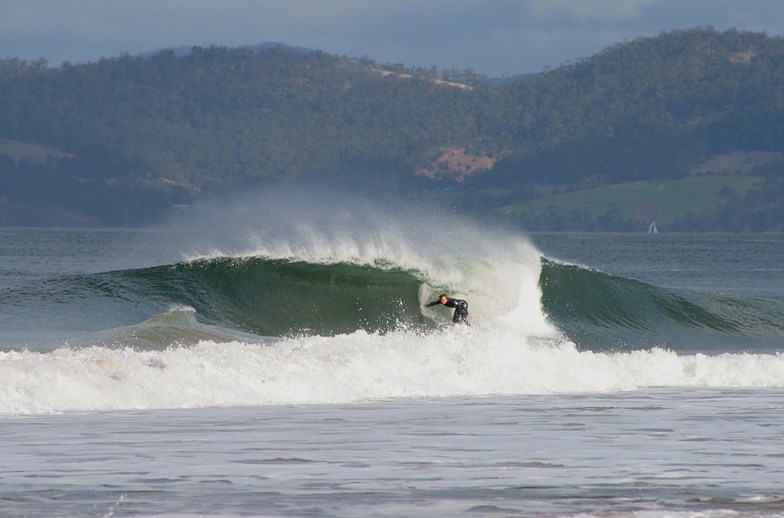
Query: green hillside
{"points": [[122, 140], [631, 206]]}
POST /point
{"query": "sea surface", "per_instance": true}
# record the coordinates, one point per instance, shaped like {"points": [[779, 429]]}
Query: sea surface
{"points": [[282, 362]]}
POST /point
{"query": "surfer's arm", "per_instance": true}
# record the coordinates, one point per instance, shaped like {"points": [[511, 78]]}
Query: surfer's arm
{"points": [[434, 303]]}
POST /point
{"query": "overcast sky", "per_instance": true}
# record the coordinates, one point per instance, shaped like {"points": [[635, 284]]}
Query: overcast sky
{"points": [[492, 37]]}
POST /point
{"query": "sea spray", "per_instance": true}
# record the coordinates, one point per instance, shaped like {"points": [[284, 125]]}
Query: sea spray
{"points": [[496, 271]]}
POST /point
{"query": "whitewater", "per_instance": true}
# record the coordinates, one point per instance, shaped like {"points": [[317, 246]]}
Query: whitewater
{"points": [[359, 367]]}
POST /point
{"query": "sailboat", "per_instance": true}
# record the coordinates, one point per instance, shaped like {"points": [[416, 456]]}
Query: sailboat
{"points": [[652, 228]]}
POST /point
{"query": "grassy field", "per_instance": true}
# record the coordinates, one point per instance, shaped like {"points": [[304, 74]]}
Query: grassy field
{"points": [[662, 200]]}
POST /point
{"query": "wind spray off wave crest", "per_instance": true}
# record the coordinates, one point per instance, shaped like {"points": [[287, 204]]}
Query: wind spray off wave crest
{"points": [[497, 272]]}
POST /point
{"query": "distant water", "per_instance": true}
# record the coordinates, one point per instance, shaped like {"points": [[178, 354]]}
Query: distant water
{"points": [[296, 372]]}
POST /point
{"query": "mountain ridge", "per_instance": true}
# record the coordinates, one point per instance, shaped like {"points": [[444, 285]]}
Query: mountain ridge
{"points": [[148, 133]]}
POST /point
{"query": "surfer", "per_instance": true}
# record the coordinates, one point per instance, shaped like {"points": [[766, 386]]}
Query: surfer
{"points": [[461, 308]]}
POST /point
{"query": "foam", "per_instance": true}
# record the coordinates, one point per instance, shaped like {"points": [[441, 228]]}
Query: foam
{"points": [[358, 367]]}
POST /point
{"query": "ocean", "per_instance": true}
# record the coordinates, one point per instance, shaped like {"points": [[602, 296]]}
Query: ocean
{"points": [[280, 361]]}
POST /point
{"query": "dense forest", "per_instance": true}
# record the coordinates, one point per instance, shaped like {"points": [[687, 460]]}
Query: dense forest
{"points": [[123, 140]]}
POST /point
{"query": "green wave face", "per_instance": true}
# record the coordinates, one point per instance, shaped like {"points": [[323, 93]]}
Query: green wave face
{"points": [[595, 309], [274, 297]]}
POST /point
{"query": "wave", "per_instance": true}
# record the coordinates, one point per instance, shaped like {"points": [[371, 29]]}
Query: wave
{"points": [[258, 299], [542, 298], [276, 297], [599, 310], [329, 289], [259, 295], [283, 328]]}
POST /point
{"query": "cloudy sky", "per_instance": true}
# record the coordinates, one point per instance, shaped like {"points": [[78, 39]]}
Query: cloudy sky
{"points": [[492, 37]]}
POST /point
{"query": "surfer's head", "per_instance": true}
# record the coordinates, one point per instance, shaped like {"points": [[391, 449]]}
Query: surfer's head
{"points": [[443, 298]]}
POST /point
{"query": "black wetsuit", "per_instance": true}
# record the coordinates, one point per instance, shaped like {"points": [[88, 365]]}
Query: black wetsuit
{"points": [[461, 309]]}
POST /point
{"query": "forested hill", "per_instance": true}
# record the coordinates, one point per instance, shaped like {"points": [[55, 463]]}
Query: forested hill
{"points": [[121, 141]]}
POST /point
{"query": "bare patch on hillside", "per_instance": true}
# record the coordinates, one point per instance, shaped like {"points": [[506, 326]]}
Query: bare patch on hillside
{"points": [[456, 164], [399, 75]]}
